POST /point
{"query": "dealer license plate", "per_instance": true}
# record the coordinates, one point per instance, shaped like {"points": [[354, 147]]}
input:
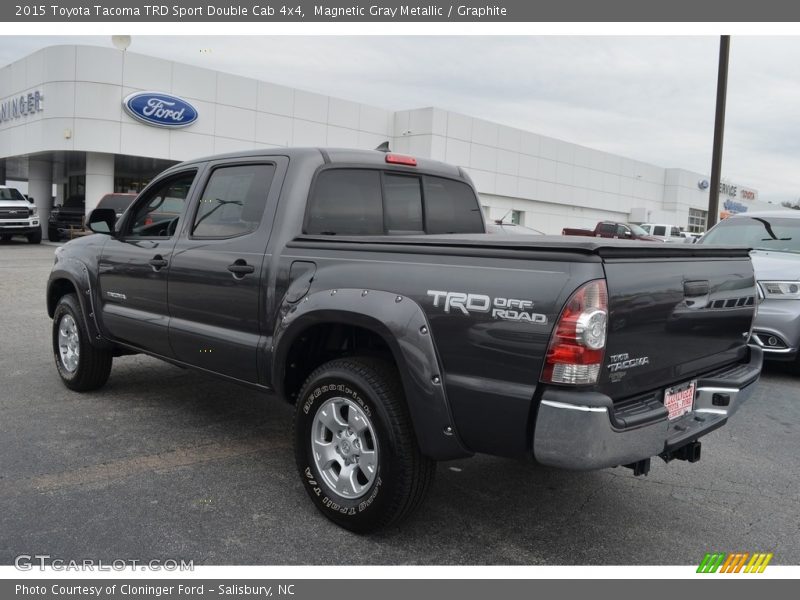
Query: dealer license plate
{"points": [[679, 399]]}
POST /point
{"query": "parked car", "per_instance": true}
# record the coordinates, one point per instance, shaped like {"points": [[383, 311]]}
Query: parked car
{"points": [[611, 229], [666, 233], [18, 216], [774, 237], [66, 217], [282, 271]]}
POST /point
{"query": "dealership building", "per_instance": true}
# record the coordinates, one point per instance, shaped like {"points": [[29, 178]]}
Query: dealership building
{"points": [[70, 125]]}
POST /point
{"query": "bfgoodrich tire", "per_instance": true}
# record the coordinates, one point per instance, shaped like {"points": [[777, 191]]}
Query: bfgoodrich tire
{"points": [[81, 366], [355, 447]]}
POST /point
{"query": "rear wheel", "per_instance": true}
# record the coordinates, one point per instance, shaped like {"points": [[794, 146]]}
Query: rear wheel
{"points": [[82, 367], [355, 446], [35, 237]]}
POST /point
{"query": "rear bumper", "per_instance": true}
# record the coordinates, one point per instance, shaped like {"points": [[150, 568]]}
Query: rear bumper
{"points": [[584, 430]]}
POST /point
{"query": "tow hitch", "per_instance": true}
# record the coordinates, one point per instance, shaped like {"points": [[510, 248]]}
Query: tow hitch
{"points": [[689, 452]]}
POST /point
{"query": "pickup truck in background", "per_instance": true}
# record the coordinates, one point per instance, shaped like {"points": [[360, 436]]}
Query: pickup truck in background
{"points": [[361, 287], [66, 218], [18, 216], [665, 233], [611, 229]]}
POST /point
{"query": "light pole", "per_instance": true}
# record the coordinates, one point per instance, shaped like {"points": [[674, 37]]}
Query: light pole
{"points": [[719, 130]]}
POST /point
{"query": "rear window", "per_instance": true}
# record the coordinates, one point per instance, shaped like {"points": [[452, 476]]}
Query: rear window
{"points": [[609, 228], [451, 207], [375, 202], [403, 207], [659, 230]]}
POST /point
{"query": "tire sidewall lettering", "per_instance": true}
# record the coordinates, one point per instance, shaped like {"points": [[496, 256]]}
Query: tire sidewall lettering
{"points": [[316, 396]]}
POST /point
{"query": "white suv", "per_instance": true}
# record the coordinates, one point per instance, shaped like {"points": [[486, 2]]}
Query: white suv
{"points": [[18, 216]]}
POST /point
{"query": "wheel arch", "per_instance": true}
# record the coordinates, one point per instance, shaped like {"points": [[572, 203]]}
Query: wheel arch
{"points": [[398, 329], [71, 277]]}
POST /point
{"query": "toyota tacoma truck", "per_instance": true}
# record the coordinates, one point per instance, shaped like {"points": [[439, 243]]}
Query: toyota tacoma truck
{"points": [[18, 216], [361, 287]]}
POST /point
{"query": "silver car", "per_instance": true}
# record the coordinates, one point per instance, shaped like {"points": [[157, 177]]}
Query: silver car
{"points": [[774, 237]]}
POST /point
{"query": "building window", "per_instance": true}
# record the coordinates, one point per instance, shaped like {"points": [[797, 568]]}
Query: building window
{"points": [[697, 220], [517, 217]]}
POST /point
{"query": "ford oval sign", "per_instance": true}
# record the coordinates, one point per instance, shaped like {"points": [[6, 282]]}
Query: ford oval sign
{"points": [[160, 110]]}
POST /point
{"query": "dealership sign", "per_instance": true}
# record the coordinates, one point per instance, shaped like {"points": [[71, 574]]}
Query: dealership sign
{"points": [[160, 110], [20, 106]]}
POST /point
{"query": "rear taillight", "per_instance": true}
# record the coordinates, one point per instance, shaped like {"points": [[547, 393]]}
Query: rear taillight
{"points": [[578, 342]]}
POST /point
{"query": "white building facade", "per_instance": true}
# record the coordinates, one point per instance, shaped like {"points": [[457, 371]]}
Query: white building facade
{"points": [[65, 131]]}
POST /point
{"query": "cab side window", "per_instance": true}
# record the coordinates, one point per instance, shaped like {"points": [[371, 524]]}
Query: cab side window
{"points": [[659, 230], [158, 213], [233, 201]]}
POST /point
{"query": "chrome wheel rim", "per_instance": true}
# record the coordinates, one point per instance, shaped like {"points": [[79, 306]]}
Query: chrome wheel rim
{"points": [[344, 447], [69, 344]]}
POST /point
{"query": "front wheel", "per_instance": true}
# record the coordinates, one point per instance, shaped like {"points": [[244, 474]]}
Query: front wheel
{"points": [[355, 446], [35, 237], [81, 366]]}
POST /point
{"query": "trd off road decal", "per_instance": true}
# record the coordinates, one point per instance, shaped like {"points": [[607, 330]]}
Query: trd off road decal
{"points": [[508, 309]]}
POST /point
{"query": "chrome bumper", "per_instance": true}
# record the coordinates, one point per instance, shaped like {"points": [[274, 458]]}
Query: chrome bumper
{"points": [[580, 430]]}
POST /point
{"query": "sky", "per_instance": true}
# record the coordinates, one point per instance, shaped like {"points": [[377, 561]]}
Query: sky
{"points": [[647, 98]]}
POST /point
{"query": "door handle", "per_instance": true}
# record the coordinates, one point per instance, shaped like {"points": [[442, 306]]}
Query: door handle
{"points": [[158, 262], [240, 268]]}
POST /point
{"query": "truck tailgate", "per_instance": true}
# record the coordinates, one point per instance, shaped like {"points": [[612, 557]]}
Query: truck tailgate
{"points": [[674, 316]]}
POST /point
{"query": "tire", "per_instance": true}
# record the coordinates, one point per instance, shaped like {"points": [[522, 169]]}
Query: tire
{"points": [[5, 238], [365, 393], [35, 238], [52, 234], [89, 367]]}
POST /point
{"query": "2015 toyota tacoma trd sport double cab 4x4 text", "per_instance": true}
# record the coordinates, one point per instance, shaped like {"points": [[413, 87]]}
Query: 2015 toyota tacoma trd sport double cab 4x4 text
{"points": [[360, 286]]}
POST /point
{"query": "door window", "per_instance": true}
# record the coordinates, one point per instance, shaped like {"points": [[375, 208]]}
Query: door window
{"points": [[158, 213]]}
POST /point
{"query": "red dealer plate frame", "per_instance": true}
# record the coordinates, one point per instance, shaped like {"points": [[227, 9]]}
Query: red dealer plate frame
{"points": [[679, 399]]}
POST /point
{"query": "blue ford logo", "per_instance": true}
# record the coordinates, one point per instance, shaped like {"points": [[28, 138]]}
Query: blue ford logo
{"points": [[160, 110]]}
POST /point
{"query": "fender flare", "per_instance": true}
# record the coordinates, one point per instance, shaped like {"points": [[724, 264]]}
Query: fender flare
{"points": [[402, 324], [77, 274]]}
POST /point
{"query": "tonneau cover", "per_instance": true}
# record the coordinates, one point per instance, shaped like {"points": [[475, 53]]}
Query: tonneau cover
{"points": [[603, 247]]}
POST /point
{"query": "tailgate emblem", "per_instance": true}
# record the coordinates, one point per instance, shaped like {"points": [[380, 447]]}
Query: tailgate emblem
{"points": [[622, 362]]}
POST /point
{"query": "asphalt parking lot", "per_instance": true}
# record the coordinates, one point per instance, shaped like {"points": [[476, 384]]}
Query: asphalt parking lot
{"points": [[167, 463]]}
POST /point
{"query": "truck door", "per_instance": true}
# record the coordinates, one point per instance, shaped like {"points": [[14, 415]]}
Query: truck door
{"points": [[134, 265], [217, 291]]}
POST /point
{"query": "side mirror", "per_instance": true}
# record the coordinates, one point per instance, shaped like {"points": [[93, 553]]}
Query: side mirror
{"points": [[627, 234], [102, 220]]}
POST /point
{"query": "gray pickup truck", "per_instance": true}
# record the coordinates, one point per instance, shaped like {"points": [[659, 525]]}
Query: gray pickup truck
{"points": [[361, 287]]}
